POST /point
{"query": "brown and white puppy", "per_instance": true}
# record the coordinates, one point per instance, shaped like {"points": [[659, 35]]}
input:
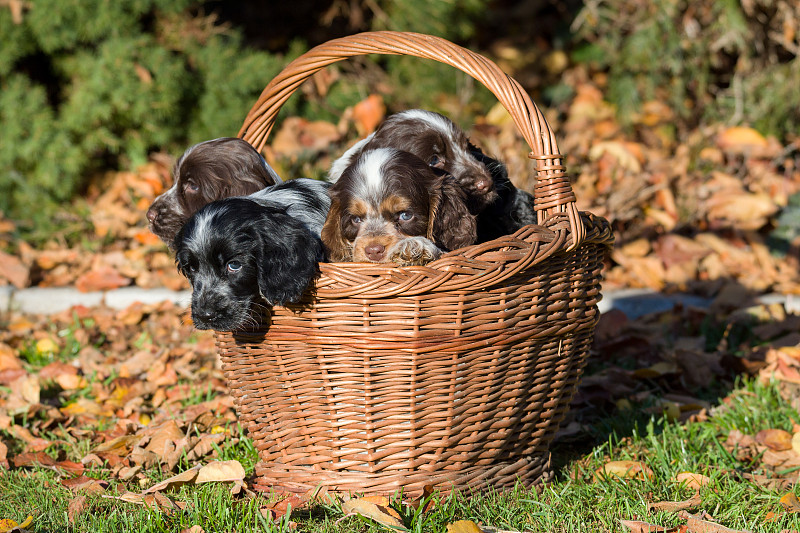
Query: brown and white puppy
{"points": [[208, 171], [436, 140], [391, 206]]}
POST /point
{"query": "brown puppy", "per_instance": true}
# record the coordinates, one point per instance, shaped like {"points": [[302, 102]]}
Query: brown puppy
{"points": [[206, 172]]}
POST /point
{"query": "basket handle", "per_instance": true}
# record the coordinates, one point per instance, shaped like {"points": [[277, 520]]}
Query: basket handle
{"points": [[553, 193]]}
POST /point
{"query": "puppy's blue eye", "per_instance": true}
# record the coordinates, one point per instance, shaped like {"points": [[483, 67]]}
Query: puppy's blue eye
{"points": [[356, 220], [233, 266], [434, 161], [405, 216]]}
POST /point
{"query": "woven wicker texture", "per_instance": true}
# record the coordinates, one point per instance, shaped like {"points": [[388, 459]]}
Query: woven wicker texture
{"points": [[455, 374]]}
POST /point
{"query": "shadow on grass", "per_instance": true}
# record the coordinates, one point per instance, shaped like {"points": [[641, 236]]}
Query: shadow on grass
{"points": [[669, 355]]}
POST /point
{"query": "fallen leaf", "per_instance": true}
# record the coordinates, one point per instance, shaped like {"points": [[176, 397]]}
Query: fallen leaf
{"points": [[33, 459], [221, 471], [790, 502], [643, 527], [175, 481], [672, 507], [13, 270], [84, 483], [379, 513], [76, 506], [740, 139], [694, 524], [624, 470], [104, 278], [119, 446], [775, 439], [368, 113], [692, 480], [7, 525], [463, 526]]}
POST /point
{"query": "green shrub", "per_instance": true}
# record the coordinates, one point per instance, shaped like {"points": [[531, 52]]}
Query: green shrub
{"points": [[94, 85], [708, 59]]}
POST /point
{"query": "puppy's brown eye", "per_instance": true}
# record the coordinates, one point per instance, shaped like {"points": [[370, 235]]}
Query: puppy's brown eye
{"points": [[233, 266], [405, 216]]}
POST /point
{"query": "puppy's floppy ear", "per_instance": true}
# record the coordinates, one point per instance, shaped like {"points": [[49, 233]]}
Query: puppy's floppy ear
{"points": [[336, 246], [287, 258], [452, 225]]}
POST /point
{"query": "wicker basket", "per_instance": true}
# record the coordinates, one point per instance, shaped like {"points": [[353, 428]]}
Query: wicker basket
{"points": [[455, 374]]}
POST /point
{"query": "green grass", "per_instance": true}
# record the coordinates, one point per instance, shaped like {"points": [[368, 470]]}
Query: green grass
{"points": [[575, 501]]}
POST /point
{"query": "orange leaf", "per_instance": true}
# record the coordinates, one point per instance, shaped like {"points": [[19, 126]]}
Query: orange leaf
{"points": [[643, 527], [775, 439], [383, 515], [624, 470], [368, 113]]}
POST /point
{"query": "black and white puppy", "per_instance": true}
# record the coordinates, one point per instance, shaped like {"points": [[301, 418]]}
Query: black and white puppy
{"points": [[247, 252]]}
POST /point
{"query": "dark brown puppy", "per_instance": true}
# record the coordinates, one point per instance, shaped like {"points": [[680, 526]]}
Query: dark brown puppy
{"points": [[208, 171]]}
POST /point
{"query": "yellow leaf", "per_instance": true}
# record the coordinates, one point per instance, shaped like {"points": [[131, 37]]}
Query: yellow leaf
{"points": [[790, 502], [379, 513], [221, 471], [463, 526], [6, 524], [740, 137], [692, 480], [44, 346], [623, 469]]}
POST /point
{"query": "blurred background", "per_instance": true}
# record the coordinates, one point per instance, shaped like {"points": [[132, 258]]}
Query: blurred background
{"points": [[679, 120]]}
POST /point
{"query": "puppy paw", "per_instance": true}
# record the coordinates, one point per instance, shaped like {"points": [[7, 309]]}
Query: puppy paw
{"points": [[414, 251]]}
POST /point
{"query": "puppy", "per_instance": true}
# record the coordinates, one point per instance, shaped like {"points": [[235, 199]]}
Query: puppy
{"points": [[501, 208], [511, 210], [247, 252], [208, 171], [436, 140], [390, 206]]}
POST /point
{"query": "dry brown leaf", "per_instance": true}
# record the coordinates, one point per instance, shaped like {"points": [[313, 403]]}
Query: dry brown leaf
{"points": [[33, 459], [379, 513], [121, 446], [463, 526], [672, 507], [775, 439], [175, 481], [84, 483], [104, 278], [163, 441], [637, 526], [221, 471], [76, 506], [13, 270], [694, 524], [692, 480], [623, 470]]}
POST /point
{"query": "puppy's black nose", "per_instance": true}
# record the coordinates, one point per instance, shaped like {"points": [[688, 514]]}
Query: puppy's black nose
{"points": [[203, 315], [151, 214], [375, 252]]}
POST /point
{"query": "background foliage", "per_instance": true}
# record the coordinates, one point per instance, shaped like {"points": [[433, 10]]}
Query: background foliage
{"points": [[88, 86]]}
